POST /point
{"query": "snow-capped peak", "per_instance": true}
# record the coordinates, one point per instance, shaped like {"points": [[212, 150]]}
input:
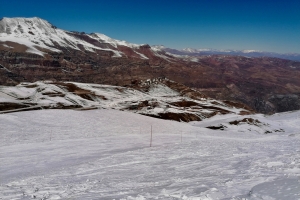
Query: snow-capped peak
{"points": [[251, 51], [17, 26], [31, 32]]}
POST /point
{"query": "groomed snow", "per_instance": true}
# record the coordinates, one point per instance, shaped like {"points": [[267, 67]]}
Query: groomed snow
{"points": [[105, 154]]}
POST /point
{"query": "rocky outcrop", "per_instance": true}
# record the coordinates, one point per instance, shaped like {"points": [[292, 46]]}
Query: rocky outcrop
{"points": [[286, 102]]}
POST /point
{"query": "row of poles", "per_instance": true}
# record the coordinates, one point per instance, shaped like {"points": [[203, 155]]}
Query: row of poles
{"points": [[151, 136]]}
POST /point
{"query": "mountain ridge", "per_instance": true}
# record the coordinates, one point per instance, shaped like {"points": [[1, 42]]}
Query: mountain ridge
{"points": [[40, 36]]}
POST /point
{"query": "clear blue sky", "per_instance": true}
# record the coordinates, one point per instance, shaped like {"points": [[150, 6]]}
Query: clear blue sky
{"points": [[269, 25]]}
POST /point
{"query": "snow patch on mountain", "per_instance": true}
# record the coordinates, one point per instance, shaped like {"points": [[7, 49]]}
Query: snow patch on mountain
{"points": [[156, 99], [141, 55], [158, 47]]}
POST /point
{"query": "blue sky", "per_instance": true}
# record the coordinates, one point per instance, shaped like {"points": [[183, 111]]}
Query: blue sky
{"points": [[267, 25]]}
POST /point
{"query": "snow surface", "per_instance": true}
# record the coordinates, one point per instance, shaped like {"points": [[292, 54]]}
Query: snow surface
{"points": [[105, 154]]}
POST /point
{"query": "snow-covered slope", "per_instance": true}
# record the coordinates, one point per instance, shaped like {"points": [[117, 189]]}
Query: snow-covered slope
{"points": [[40, 37], [158, 98], [105, 154]]}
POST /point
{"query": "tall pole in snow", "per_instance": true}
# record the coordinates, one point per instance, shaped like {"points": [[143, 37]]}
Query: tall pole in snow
{"points": [[151, 137]]}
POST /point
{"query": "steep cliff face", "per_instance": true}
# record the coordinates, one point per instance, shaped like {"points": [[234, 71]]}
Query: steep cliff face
{"points": [[32, 49]]}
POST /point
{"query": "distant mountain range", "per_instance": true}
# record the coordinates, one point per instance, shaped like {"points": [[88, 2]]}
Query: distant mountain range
{"points": [[40, 36], [246, 53]]}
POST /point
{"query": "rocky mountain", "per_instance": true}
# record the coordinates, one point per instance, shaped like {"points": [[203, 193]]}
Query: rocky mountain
{"points": [[32, 49]]}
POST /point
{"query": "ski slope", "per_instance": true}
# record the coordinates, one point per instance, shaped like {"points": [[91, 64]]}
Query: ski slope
{"points": [[105, 154]]}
